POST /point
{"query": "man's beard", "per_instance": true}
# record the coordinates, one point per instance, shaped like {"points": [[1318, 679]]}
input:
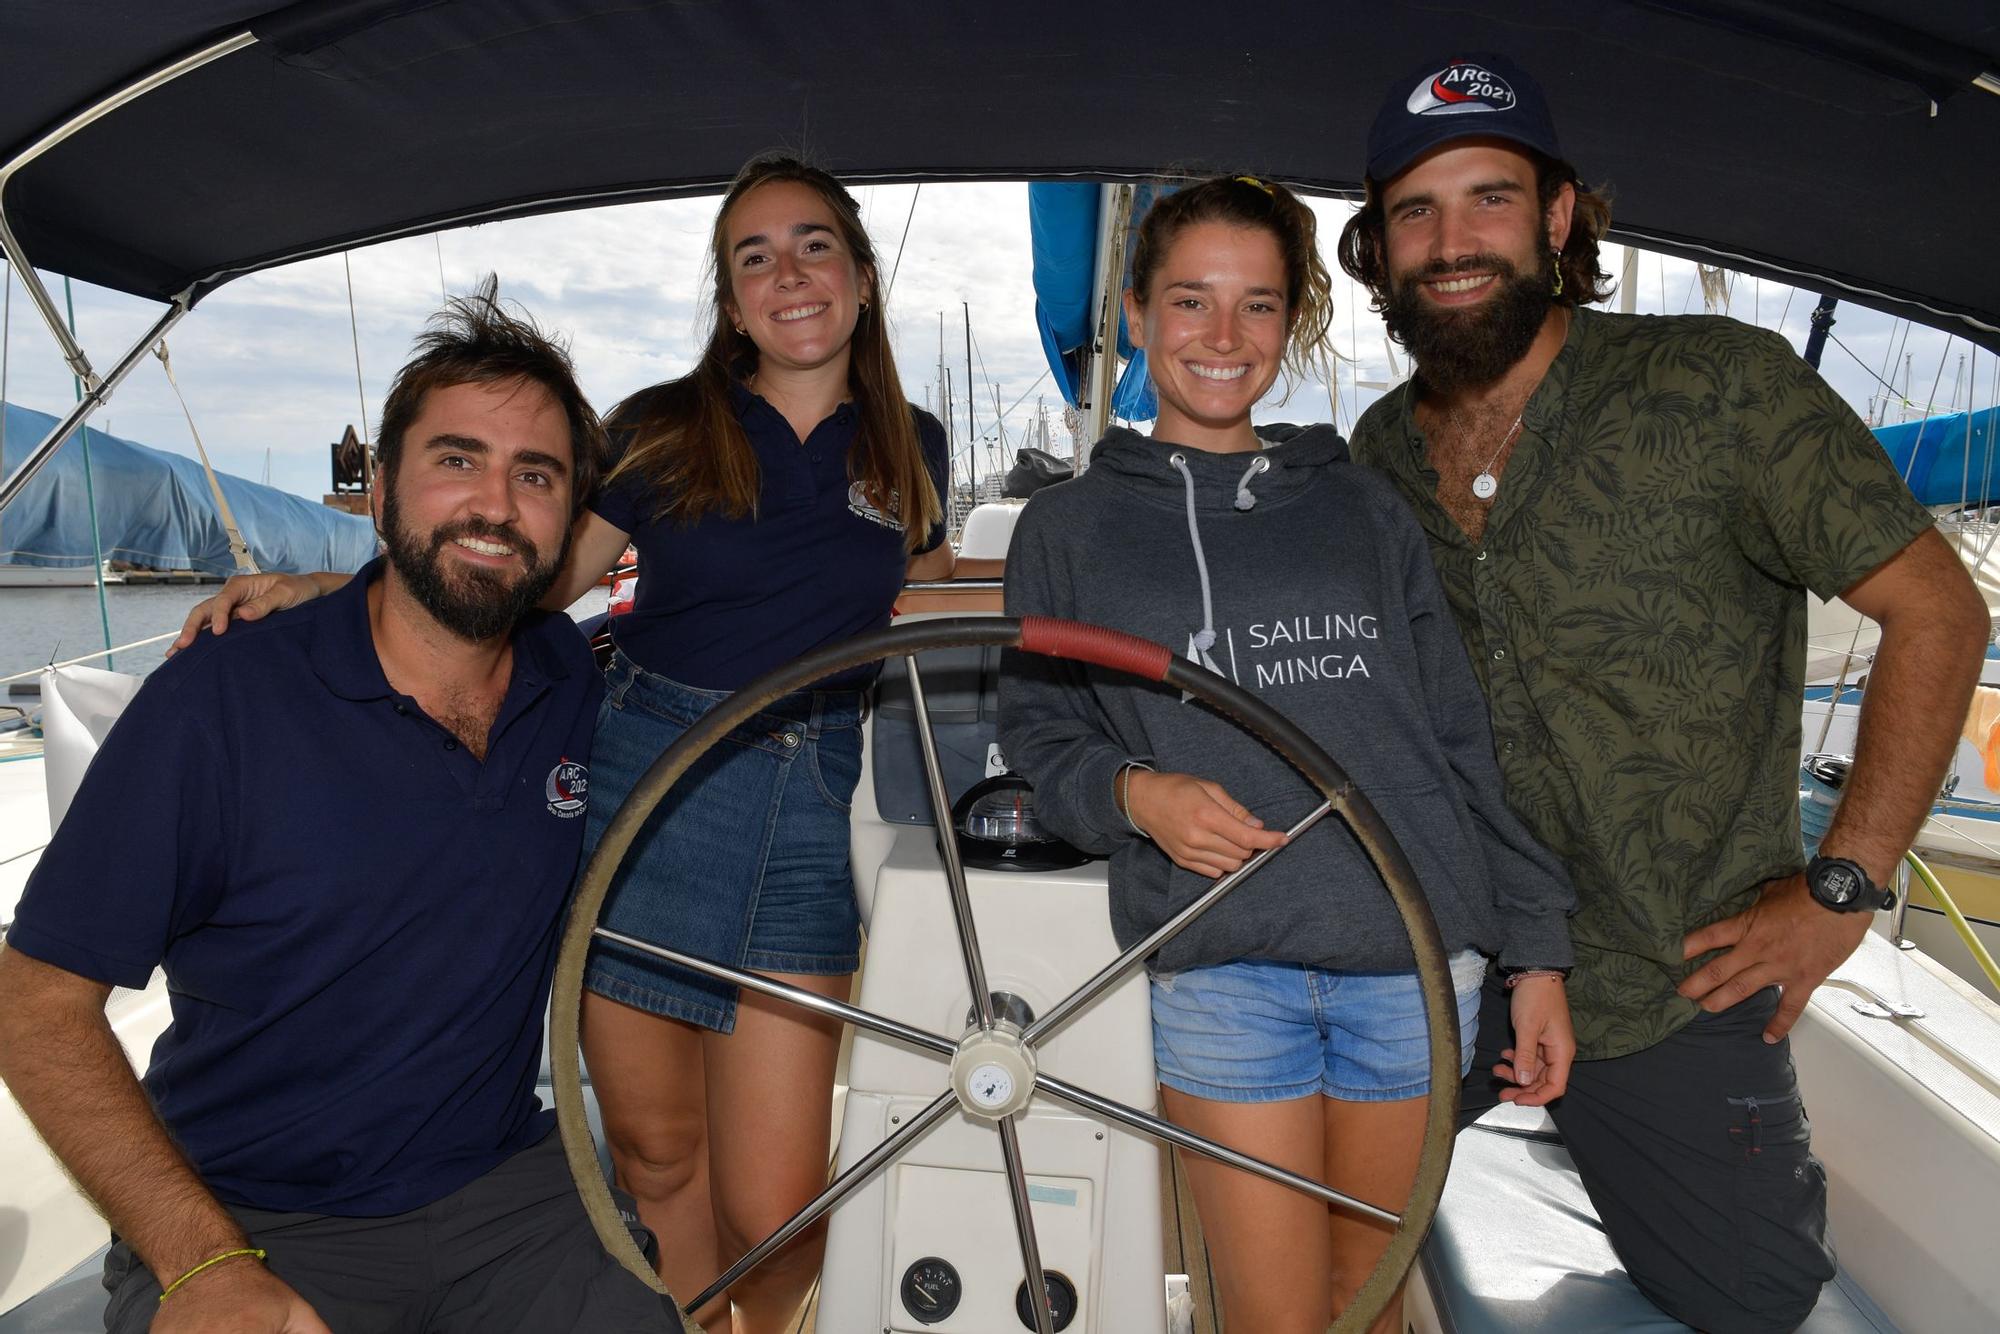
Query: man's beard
{"points": [[1465, 349], [472, 603]]}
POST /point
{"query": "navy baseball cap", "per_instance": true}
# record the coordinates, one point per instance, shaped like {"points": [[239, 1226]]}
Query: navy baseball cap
{"points": [[1480, 96]]}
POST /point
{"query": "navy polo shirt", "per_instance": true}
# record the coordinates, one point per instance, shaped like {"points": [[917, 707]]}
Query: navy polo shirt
{"points": [[358, 920], [722, 601]]}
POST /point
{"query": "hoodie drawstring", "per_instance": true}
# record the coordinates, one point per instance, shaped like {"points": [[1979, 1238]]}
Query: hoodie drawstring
{"points": [[1205, 640], [1244, 500]]}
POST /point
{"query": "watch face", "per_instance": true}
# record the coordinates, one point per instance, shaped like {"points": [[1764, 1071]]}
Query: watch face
{"points": [[1837, 884]]}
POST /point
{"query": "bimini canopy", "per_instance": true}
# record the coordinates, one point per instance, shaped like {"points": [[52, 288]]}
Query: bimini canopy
{"points": [[1841, 145]]}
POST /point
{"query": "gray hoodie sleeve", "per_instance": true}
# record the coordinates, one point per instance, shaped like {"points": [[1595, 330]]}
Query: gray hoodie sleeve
{"points": [[1532, 894], [1052, 730]]}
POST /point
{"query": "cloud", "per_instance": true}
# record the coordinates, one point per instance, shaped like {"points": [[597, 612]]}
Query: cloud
{"points": [[268, 362]]}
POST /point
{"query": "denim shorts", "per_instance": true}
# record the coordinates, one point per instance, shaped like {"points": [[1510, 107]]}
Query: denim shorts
{"points": [[1254, 1031], [744, 863]]}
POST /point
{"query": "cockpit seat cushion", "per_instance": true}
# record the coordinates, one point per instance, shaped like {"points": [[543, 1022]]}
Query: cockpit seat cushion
{"points": [[1517, 1246]]}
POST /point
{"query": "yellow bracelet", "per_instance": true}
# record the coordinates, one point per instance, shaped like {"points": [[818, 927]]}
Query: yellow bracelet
{"points": [[251, 1251]]}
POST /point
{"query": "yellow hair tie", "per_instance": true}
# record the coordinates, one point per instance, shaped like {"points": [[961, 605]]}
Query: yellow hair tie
{"points": [[1252, 180], [251, 1251]]}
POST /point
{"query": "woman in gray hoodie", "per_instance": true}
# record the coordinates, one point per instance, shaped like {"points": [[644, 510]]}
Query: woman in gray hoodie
{"points": [[1287, 1021]]}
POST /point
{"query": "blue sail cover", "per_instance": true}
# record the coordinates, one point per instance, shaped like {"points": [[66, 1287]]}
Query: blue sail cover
{"points": [[1062, 233], [1933, 455], [155, 509]]}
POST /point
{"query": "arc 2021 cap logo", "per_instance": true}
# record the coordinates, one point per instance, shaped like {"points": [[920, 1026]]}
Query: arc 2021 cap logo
{"points": [[1460, 88], [568, 789]]}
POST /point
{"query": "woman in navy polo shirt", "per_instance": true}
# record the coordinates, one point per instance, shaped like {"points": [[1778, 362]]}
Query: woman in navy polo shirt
{"points": [[779, 496]]}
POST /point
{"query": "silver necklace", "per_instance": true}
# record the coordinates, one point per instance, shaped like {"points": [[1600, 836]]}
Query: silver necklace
{"points": [[1485, 485]]}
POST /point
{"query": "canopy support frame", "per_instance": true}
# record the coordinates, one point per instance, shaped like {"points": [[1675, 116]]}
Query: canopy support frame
{"points": [[96, 389], [93, 398]]}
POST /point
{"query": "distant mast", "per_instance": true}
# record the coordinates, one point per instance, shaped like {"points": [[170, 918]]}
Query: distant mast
{"points": [[971, 399]]}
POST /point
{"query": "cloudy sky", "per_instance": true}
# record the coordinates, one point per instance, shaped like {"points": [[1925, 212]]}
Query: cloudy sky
{"points": [[268, 362]]}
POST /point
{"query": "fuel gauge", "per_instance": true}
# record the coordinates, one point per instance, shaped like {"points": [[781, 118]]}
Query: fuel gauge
{"points": [[931, 1290]]}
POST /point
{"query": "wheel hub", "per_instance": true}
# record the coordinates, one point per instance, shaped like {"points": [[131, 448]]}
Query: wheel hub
{"points": [[993, 1072]]}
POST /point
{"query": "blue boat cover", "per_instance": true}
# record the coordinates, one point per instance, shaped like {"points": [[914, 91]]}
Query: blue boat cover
{"points": [[155, 509], [1062, 232], [1933, 454]]}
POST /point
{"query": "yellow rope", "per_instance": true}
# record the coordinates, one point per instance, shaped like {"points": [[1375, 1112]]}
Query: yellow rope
{"points": [[251, 1252], [1958, 922]]}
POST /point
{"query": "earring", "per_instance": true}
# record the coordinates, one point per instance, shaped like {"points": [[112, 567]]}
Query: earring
{"points": [[1559, 282], [739, 328]]}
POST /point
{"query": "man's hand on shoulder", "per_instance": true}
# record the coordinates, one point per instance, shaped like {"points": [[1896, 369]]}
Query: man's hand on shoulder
{"points": [[1785, 938], [238, 1297]]}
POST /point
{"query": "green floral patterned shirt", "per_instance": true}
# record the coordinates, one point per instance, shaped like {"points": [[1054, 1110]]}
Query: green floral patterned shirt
{"points": [[1636, 614]]}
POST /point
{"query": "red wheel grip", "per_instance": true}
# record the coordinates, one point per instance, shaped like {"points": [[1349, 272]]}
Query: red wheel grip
{"points": [[1057, 638]]}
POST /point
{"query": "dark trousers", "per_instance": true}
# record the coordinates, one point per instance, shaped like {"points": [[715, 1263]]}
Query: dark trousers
{"points": [[512, 1251], [1697, 1155]]}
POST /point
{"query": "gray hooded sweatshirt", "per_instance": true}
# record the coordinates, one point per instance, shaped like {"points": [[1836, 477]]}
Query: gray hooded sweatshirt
{"points": [[1304, 578]]}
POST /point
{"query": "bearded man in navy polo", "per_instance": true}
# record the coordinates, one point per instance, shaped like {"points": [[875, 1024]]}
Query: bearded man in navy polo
{"points": [[361, 830]]}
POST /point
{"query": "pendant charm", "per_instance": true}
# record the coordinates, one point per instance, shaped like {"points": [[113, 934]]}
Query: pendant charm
{"points": [[1485, 485]]}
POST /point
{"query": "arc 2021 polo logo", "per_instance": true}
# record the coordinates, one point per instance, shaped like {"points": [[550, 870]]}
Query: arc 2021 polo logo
{"points": [[862, 505], [1458, 89], [568, 789]]}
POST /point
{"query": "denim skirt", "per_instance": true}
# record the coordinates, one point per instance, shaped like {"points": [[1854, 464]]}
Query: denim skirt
{"points": [[745, 861]]}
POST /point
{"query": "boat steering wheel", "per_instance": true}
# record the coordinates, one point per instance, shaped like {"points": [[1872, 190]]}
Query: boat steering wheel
{"points": [[989, 1038]]}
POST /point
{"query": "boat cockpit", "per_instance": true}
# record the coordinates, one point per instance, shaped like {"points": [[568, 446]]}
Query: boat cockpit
{"points": [[997, 1162]]}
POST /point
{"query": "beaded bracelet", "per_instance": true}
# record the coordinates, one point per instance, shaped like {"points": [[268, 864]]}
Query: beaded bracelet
{"points": [[255, 1253], [1520, 975]]}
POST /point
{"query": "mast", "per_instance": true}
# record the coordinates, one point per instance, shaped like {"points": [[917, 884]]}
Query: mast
{"points": [[1821, 325], [1101, 375], [971, 398]]}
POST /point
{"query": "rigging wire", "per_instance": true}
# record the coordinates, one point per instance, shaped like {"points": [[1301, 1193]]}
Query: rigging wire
{"points": [[1930, 410], [1992, 428], [896, 268], [90, 489], [1901, 351], [1965, 463], [6, 332], [354, 331], [1894, 392], [979, 354], [444, 292], [1899, 327], [1031, 389], [239, 550]]}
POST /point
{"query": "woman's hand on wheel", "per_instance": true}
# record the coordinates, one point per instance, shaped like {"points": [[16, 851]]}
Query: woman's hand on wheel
{"points": [[245, 597], [1196, 822]]}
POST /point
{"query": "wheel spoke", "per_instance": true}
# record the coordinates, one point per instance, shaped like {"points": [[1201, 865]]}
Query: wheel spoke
{"points": [[842, 1186], [1167, 930], [915, 1037], [1173, 1134], [954, 869], [1024, 1225]]}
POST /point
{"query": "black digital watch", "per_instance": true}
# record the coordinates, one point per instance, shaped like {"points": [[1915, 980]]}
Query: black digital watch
{"points": [[1843, 886]]}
